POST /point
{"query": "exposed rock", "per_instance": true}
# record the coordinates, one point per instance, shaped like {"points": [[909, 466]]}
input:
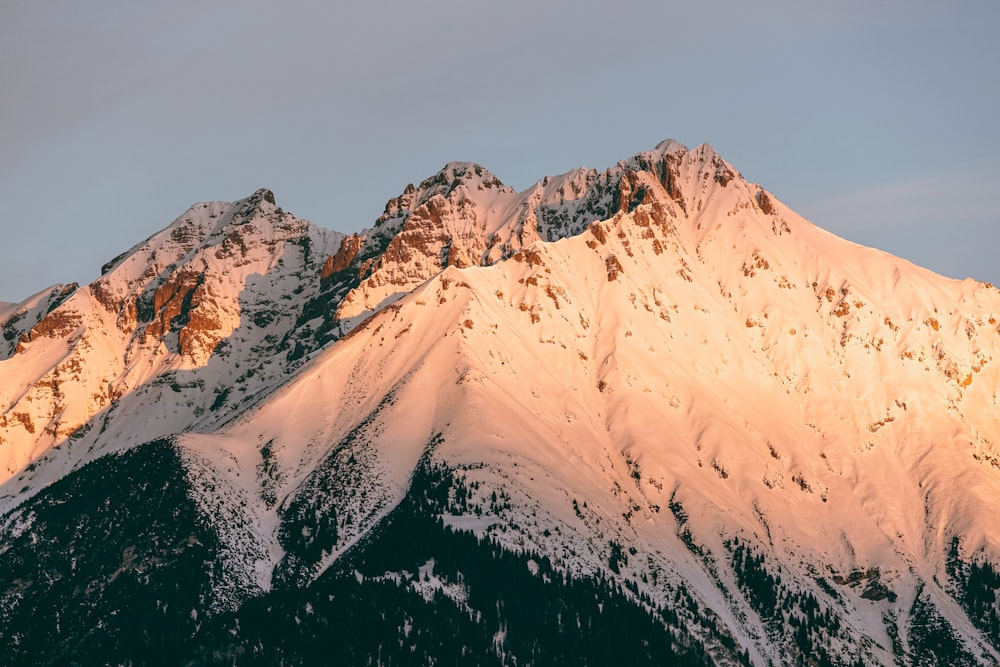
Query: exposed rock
{"points": [[237, 242], [723, 174], [614, 267], [631, 192], [764, 201], [174, 299], [54, 325], [348, 250]]}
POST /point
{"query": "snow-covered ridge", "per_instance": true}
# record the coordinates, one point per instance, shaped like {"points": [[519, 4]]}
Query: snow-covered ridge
{"points": [[150, 347], [657, 371]]}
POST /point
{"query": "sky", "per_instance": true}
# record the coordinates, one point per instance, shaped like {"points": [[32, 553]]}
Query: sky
{"points": [[875, 119]]}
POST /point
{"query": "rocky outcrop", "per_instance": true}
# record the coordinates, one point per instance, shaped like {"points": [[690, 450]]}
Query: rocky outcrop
{"points": [[349, 249], [174, 301], [59, 324], [765, 203]]}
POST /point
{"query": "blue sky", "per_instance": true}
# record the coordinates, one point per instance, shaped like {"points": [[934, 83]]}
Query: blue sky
{"points": [[877, 120]]}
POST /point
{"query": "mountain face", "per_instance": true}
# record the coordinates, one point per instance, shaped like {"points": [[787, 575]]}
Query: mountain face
{"points": [[647, 415]]}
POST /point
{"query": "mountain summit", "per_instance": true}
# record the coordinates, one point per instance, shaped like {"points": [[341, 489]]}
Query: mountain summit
{"points": [[645, 414]]}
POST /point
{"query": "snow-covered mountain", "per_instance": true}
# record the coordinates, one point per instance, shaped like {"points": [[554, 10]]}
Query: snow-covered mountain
{"points": [[685, 423]]}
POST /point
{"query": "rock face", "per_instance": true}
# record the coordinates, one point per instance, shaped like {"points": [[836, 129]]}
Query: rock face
{"points": [[680, 422]]}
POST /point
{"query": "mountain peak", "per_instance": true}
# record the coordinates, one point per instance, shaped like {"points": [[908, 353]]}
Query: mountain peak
{"points": [[670, 146], [263, 194], [655, 376], [261, 200], [470, 174]]}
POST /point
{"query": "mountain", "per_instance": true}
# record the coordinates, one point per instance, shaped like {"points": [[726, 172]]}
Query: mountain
{"points": [[647, 415]]}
